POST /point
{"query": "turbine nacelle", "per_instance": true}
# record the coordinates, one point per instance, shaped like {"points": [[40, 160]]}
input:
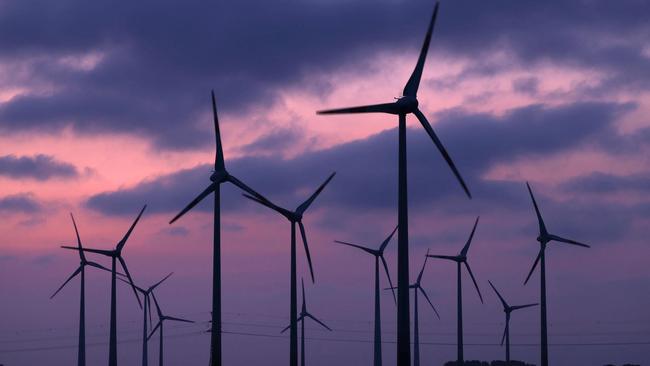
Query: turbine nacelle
{"points": [[219, 176], [406, 104]]}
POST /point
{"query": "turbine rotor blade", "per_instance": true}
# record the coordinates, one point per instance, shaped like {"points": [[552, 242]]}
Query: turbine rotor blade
{"points": [[567, 241], [441, 149], [97, 265], [161, 281], [304, 242], [503, 302], [447, 257], [469, 241], [76, 231], [385, 243], [122, 242], [241, 185], [305, 205], [523, 306], [390, 282], [194, 202], [318, 321], [540, 221], [141, 290], [423, 266], [428, 300], [108, 253], [128, 275], [413, 83], [178, 319], [368, 250], [505, 329], [219, 164], [265, 203], [469, 270], [539, 256], [76, 272], [155, 301], [390, 108], [154, 329]]}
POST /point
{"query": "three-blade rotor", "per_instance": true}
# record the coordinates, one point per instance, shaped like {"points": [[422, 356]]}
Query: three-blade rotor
{"points": [[408, 103], [117, 253], [295, 217], [461, 258], [544, 236], [378, 253], [220, 174]]}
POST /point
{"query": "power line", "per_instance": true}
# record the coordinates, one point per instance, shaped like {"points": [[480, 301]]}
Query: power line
{"points": [[333, 340]]}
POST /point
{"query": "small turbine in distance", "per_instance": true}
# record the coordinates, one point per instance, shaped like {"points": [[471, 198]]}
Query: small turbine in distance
{"points": [[160, 326], [461, 259], [303, 315], [81, 350], [115, 255], [379, 255], [544, 238], [294, 217], [508, 310]]}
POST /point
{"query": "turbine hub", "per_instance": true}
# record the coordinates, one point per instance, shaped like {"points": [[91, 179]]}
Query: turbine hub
{"points": [[407, 104], [218, 177]]}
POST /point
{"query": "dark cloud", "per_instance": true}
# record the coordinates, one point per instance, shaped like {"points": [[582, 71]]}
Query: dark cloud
{"points": [[158, 60], [39, 167], [276, 141], [526, 85], [603, 183], [23, 202], [367, 168]]}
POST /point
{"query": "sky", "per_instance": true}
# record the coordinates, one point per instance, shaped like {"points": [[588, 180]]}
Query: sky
{"points": [[105, 107]]}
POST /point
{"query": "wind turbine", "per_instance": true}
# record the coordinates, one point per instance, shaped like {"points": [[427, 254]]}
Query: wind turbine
{"points": [[304, 314], [81, 351], [406, 104], [379, 255], [116, 255], [508, 309], [147, 309], [294, 217], [544, 238], [461, 259], [160, 325], [416, 331], [219, 176]]}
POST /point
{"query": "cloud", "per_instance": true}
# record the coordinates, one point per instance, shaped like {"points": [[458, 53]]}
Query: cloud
{"points": [[100, 67], [600, 183], [366, 168], [40, 167], [22, 202]]}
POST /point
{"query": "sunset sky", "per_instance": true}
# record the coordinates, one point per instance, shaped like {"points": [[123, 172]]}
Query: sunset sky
{"points": [[105, 107]]}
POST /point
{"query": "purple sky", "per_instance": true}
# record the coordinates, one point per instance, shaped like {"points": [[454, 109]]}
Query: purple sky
{"points": [[104, 106]]}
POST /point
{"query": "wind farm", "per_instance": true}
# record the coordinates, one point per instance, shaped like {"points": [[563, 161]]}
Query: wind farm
{"points": [[105, 112]]}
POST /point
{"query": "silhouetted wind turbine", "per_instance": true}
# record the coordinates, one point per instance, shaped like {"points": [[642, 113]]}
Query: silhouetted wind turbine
{"points": [[544, 238], [462, 259], [294, 217], [508, 309], [379, 255], [219, 176], [406, 104], [304, 314], [416, 330], [161, 321], [147, 309], [116, 254], [81, 351]]}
